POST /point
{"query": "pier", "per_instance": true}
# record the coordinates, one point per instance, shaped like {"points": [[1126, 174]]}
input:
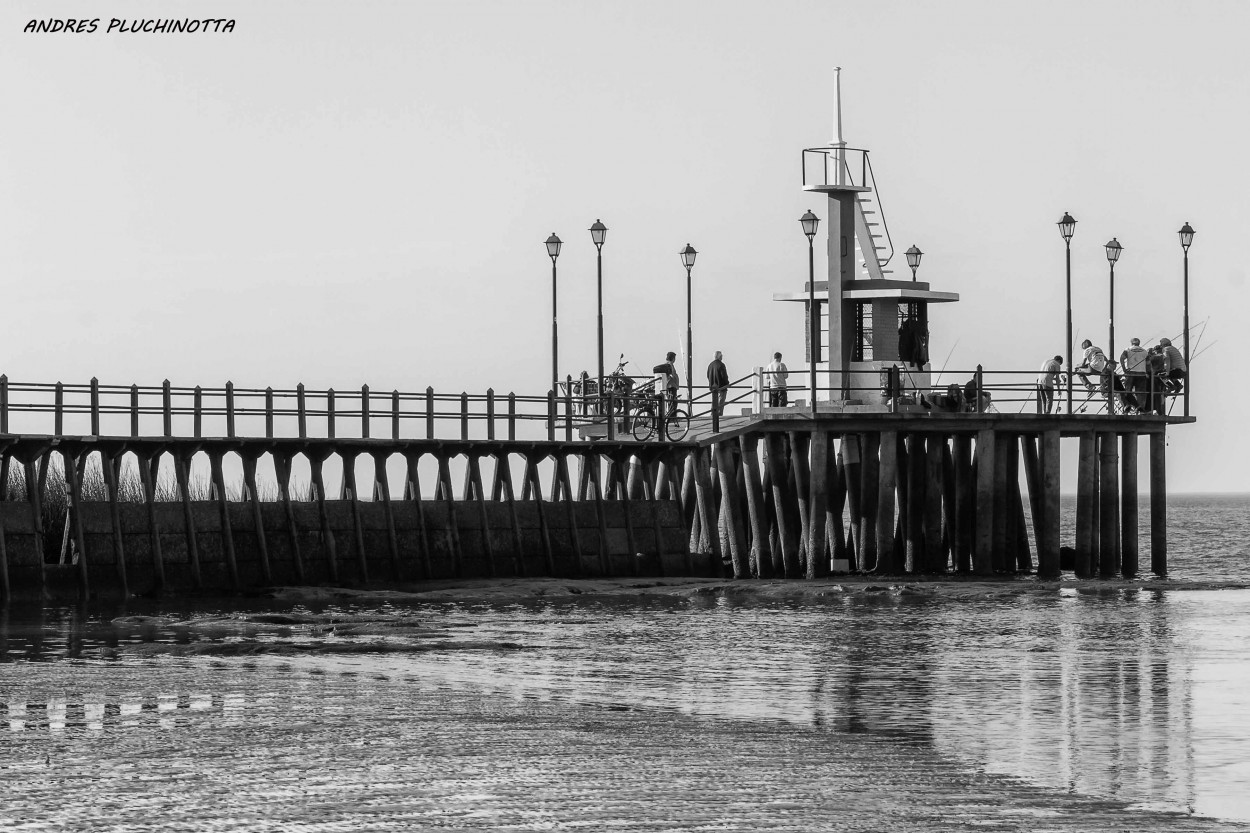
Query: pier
{"points": [[482, 486], [869, 465]]}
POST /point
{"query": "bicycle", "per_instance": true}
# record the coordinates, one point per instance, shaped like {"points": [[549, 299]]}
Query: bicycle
{"points": [[645, 420]]}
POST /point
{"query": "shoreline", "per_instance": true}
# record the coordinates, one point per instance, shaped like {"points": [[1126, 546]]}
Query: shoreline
{"points": [[555, 589]]}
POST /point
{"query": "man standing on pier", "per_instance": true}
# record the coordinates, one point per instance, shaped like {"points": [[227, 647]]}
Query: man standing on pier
{"points": [[718, 384], [1046, 382], [775, 376]]}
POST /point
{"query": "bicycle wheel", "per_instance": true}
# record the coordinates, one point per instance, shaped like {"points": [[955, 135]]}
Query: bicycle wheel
{"points": [[644, 424], [677, 425]]}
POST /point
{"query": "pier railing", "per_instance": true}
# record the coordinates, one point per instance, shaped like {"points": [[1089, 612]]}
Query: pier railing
{"points": [[168, 410]]}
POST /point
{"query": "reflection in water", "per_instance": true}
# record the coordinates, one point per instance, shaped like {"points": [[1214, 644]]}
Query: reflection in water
{"points": [[1124, 696]]}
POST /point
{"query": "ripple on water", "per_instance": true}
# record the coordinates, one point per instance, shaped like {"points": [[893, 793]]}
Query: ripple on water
{"points": [[857, 712]]}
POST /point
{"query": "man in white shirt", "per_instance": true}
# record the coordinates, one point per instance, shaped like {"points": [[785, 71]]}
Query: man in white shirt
{"points": [[775, 376], [1046, 382]]}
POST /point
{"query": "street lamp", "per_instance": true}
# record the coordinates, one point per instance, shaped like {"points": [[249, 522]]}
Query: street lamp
{"points": [[1187, 238], [687, 259], [597, 234], [810, 223], [553, 249], [1113, 254], [913, 259], [1067, 226]]}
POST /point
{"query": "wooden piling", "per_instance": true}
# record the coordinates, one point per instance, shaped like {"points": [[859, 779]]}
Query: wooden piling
{"points": [[382, 490], [351, 493], [729, 512], [1048, 538], [911, 488], [219, 487], [800, 446], [761, 557], [148, 469], [965, 503], [1004, 519], [818, 545], [109, 465], [282, 470], [1158, 505], [504, 491], [590, 465], [570, 510], [258, 519], [853, 472], [935, 560], [778, 474], [316, 460], [950, 522], [1033, 481], [887, 483], [870, 467], [448, 496], [74, 494], [705, 505], [1087, 506], [544, 529], [1128, 506], [1108, 508], [983, 549], [412, 493], [474, 492]]}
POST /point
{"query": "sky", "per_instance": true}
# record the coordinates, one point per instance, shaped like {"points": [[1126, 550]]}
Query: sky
{"points": [[344, 193]]}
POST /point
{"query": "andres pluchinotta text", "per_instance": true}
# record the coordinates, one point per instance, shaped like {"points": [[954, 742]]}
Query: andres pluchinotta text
{"points": [[148, 25]]}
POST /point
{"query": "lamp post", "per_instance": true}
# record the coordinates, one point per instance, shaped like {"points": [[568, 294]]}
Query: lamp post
{"points": [[687, 259], [913, 259], [1067, 226], [810, 223], [598, 232], [1187, 238], [553, 249], [1113, 254]]}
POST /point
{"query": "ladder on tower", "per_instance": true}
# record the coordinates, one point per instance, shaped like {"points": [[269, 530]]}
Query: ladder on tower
{"points": [[874, 248]]}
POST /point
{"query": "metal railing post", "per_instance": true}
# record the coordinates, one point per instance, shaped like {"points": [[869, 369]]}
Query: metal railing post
{"points": [[4, 404], [512, 416], [464, 415], [134, 410], [95, 407], [490, 413], [58, 419], [167, 409], [197, 406], [301, 411], [551, 415], [364, 411], [980, 387], [395, 414], [429, 413], [330, 413], [611, 415], [269, 413], [230, 409]]}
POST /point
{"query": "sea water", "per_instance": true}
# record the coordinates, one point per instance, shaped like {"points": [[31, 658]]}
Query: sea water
{"points": [[1004, 706]]}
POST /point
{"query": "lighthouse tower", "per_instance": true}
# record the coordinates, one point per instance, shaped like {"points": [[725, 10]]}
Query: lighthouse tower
{"points": [[869, 321]]}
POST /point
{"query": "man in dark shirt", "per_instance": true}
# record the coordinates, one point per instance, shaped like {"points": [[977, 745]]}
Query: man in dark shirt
{"points": [[718, 384]]}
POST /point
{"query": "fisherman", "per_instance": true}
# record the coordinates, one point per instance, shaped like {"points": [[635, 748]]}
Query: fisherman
{"points": [[1046, 382], [775, 376], [1175, 367], [1135, 363], [671, 381], [718, 384], [1094, 361]]}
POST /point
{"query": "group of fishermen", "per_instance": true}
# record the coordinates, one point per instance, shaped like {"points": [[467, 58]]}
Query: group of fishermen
{"points": [[1147, 375]]}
